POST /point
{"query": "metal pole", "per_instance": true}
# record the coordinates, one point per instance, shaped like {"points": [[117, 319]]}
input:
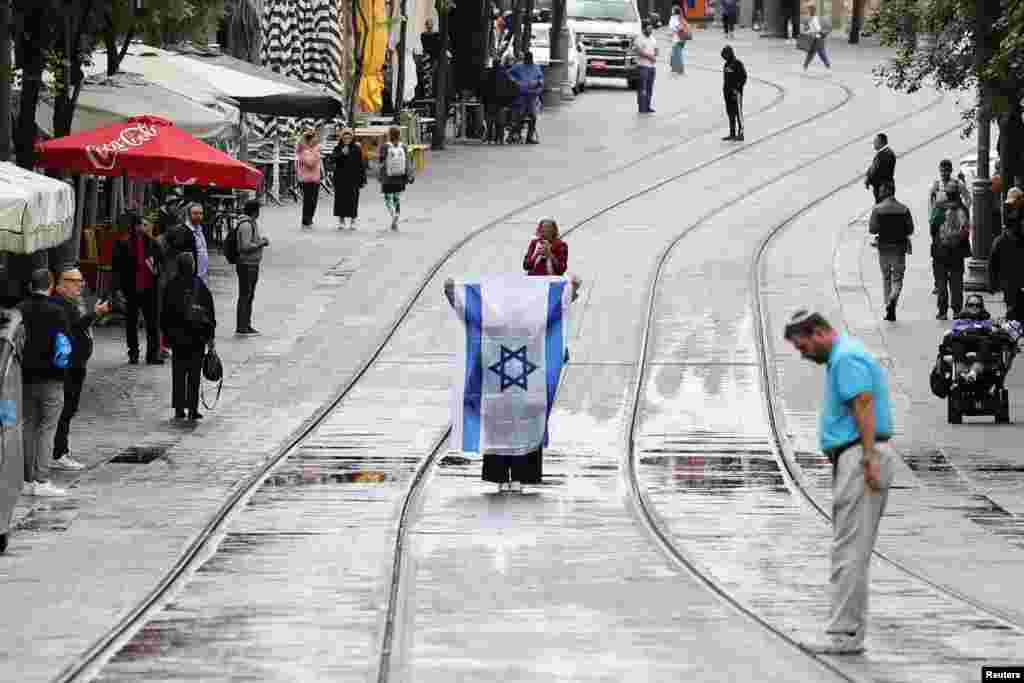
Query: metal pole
{"points": [[976, 277], [5, 80], [400, 89]]}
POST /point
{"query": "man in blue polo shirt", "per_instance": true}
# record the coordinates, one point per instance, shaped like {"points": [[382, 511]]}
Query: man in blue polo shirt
{"points": [[855, 423]]}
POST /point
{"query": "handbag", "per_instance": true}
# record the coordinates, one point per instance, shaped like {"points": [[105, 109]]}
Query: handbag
{"points": [[213, 371], [685, 34], [805, 42]]}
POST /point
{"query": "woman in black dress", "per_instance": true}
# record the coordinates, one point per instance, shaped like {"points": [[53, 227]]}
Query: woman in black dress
{"points": [[349, 178]]}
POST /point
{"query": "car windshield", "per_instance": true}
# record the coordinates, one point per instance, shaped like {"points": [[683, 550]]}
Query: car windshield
{"points": [[601, 10]]}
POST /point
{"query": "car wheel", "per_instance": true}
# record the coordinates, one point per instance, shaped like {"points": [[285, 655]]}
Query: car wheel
{"points": [[954, 416]]}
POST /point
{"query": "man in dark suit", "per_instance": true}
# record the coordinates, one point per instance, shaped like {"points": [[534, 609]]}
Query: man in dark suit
{"points": [[882, 168]]}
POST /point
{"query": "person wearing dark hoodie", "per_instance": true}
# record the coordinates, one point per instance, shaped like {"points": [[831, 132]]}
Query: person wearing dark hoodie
{"points": [[1006, 262], [189, 322], [734, 79]]}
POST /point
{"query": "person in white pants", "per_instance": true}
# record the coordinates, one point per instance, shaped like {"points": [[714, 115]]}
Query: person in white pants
{"points": [[855, 421]]}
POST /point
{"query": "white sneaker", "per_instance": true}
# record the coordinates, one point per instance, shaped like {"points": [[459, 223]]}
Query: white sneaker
{"points": [[28, 488], [341, 225], [68, 464], [516, 487], [46, 489], [502, 486], [352, 225], [394, 223]]}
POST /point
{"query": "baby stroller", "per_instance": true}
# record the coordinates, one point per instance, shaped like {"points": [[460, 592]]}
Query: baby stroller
{"points": [[974, 359]]}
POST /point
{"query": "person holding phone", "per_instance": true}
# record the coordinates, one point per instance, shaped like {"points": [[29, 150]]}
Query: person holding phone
{"points": [[547, 253]]}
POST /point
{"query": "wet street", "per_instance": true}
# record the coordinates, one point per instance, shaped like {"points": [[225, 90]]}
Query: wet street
{"points": [[683, 526]]}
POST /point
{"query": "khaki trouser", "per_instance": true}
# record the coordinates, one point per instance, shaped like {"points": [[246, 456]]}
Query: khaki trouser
{"points": [[856, 513], [893, 262]]}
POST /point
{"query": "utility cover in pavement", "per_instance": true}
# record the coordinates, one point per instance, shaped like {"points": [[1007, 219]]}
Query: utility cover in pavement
{"points": [[140, 455]]}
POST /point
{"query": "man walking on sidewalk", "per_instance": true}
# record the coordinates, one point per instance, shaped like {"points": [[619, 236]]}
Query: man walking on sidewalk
{"points": [[45, 358], [893, 224], [250, 253], [69, 295], [646, 61], [883, 167], [734, 78], [950, 246], [855, 422]]}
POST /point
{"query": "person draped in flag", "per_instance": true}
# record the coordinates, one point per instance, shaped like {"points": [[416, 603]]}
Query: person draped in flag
{"points": [[511, 352]]}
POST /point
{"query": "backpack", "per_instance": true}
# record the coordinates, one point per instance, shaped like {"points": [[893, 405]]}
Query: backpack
{"points": [[951, 231], [197, 316], [396, 162], [230, 249]]}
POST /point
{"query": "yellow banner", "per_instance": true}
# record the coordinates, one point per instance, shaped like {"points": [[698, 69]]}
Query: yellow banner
{"points": [[371, 86]]}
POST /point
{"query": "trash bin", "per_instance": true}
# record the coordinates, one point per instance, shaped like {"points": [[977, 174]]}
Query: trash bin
{"points": [[12, 340]]}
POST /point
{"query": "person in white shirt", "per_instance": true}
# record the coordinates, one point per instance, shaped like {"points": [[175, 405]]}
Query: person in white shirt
{"points": [[680, 29], [817, 46], [646, 49]]}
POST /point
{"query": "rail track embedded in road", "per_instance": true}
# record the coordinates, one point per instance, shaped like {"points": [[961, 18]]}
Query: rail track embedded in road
{"points": [[204, 544]]}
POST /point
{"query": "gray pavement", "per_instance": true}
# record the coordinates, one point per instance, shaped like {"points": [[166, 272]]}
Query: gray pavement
{"points": [[561, 584]]}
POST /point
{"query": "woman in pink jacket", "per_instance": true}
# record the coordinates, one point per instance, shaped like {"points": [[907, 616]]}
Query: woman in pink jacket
{"points": [[308, 170]]}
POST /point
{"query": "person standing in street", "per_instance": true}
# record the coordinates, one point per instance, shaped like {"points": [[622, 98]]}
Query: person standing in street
{"points": [[883, 166], [547, 254], [730, 10], [950, 246], [854, 425], [734, 78], [349, 179], [395, 173], [1006, 261], [817, 40], [250, 253], [189, 321], [646, 48], [680, 29], [68, 293], [44, 361], [308, 170], [892, 223], [137, 262]]}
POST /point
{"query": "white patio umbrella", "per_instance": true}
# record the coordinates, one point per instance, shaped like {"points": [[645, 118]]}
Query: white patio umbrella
{"points": [[36, 212]]}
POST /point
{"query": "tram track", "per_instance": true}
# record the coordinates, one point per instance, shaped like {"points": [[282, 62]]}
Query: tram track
{"points": [[413, 494], [87, 665]]}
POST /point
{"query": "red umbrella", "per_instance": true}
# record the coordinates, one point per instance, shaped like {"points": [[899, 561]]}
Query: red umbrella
{"points": [[147, 147]]}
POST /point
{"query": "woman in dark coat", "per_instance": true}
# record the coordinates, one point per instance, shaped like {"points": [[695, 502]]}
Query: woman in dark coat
{"points": [[349, 178], [189, 322]]}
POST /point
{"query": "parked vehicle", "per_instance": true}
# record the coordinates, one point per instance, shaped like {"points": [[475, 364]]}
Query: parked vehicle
{"points": [[607, 30], [540, 46]]}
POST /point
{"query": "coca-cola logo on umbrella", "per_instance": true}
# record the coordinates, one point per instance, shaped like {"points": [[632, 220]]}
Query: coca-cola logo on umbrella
{"points": [[104, 157]]}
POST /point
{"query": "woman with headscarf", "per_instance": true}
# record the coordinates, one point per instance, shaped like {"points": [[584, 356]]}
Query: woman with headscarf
{"points": [[189, 322], [308, 170], [349, 178]]}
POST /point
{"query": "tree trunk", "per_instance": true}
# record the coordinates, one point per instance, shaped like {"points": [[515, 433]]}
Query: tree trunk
{"points": [[441, 80], [33, 62], [856, 21]]}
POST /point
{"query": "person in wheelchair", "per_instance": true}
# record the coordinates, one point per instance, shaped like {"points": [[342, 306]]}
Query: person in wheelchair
{"points": [[526, 107], [974, 309]]}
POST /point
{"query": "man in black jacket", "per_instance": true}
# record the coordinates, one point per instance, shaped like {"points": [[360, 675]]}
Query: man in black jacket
{"points": [[734, 77], [137, 262], [69, 295], [894, 225], [45, 356], [883, 167], [1006, 261]]}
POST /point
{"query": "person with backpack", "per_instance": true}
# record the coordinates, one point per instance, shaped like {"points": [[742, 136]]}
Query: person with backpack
{"points": [[893, 224], [45, 358], [243, 248], [189, 321], [395, 173], [950, 246]]}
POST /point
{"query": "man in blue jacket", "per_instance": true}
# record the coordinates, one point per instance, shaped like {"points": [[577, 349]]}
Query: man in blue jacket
{"points": [[530, 79]]}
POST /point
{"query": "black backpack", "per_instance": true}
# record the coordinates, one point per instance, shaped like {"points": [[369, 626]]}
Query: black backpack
{"points": [[231, 242]]}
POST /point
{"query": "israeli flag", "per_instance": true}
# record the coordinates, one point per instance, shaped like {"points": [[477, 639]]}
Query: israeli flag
{"points": [[509, 359]]}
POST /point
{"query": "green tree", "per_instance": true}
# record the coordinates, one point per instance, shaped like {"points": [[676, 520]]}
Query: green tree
{"points": [[938, 43]]}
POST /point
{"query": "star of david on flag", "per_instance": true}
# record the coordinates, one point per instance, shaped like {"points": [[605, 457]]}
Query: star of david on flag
{"points": [[525, 367], [510, 351]]}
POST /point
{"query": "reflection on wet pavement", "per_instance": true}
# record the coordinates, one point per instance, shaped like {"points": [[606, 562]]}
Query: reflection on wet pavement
{"points": [[294, 590]]}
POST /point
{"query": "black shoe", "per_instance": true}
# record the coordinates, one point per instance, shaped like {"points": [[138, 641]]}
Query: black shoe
{"points": [[739, 138], [729, 138], [195, 415], [179, 414], [942, 316], [890, 313], [154, 360], [248, 331], [133, 358]]}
